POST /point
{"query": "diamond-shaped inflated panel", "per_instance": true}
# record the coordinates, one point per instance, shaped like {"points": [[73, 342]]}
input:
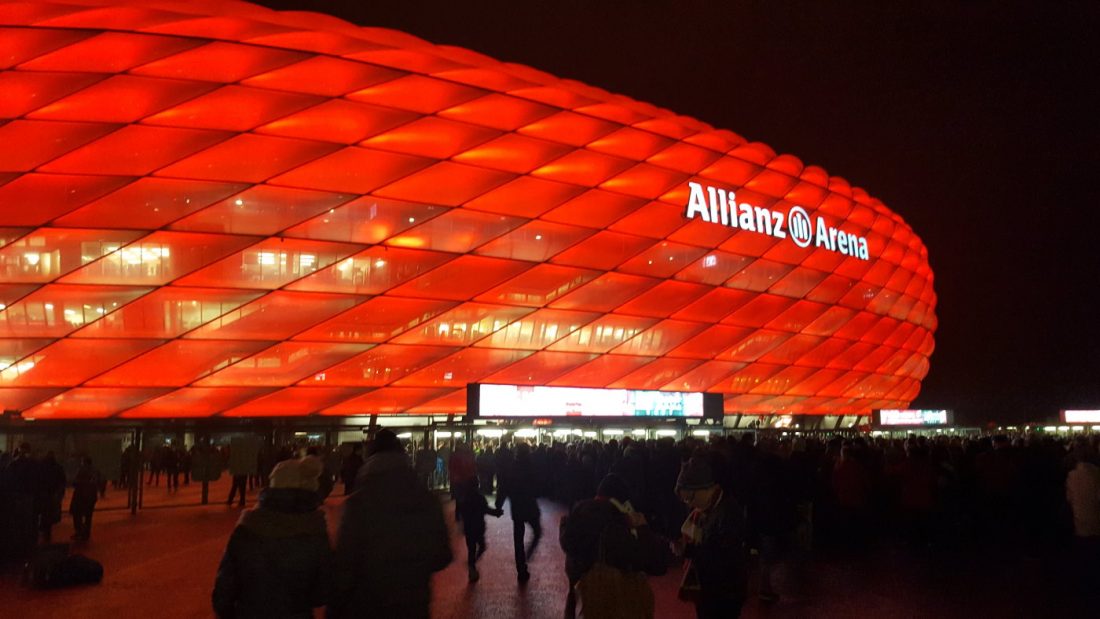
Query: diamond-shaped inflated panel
{"points": [[212, 208]]}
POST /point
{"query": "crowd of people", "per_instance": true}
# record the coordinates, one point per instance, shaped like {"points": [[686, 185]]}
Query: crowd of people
{"points": [[632, 506]]}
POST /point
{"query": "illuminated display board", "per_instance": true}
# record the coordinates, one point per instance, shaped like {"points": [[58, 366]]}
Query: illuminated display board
{"points": [[1081, 416], [886, 417], [539, 401], [216, 209]]}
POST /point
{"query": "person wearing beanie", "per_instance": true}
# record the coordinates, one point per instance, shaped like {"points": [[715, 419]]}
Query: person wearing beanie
{"points": [[716, 577], [392, 538], [278, 562], [608, 532]]}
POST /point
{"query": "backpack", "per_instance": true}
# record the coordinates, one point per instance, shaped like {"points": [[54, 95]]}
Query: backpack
{"points": [[52, 567]]}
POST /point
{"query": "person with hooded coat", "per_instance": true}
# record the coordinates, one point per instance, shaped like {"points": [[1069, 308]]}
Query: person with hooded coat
{"points": [[392, 538], [278, 562]]}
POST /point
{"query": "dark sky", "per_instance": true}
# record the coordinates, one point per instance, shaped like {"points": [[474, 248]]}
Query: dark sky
{"points": [[976, 121]]}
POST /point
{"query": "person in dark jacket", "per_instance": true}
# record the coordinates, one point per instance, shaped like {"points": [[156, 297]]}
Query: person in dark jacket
{"points": [[606, 528], [392, 538], [517, 485], [714, 535], [85, 495], [278, 562], [49, 492], [350, 468], [472, 507]]}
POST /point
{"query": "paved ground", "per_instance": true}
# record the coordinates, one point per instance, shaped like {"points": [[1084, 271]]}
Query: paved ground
{"points": [[161, 563]]}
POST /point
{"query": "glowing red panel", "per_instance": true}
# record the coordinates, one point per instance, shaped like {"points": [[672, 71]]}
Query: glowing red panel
{"points": [[663, 259], [466, 366], [91, 403], [792, 349], [56, 310], [759, 276], [276, 316], [71, 362], [663, 299], [535, 241], [178, 363], [630, 143], [462, 278], [453, 403], [149, 203], [293, 401], [194, 402], [377, 320], [23, 398], [512, 153], [755, 346], [781, 382], [157, 259], [499, 111], [352, 169], [380, 365], [233, 108], [605, 292], [283, 364], [432, 137], [263, 209], [684, 157], [457, 231], [703, 377], [798, 316], [539, 286], [538, 330], [337, 120], [524, 196], [41, 140], [601, 372], [249, 158], [367, 220], [656, 374], [569, 128], [219, 62], [660, 338], [272, 263], [594, 208], [26, 91], [118, 99], [605, 250], [134, 151], [463, 325], [168, 312], [583, 167], [48, 253], [701, 233], [372, 271], [51, 195], [323, 75], [713, 268], [655, 220], [109, 52], [417, 93], [388, 400], [760, 310], [445, 183], [18, 45], [603, 334], [540, 368]]}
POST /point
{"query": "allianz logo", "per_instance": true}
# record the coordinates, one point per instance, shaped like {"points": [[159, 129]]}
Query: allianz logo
{"points": [[718, 206]]}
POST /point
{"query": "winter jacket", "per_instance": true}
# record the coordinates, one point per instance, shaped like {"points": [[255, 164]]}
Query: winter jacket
{"points": [[596, 527], [720, 557], [278, 562], [392, 538]]}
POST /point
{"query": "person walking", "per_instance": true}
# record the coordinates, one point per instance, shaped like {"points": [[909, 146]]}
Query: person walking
{"points": [[516, 484], [392, 538], [716, 579], [473, 507], [240, 485], [278, 562], [85, 495], [609, 548]]}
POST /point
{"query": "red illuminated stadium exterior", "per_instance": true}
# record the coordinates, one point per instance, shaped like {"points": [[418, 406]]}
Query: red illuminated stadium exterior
{"points": [[214, 209]]}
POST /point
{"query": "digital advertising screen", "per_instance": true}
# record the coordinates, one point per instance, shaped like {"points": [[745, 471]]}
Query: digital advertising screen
{"points": [[1071, 416], [539, 401], [912, 417]]}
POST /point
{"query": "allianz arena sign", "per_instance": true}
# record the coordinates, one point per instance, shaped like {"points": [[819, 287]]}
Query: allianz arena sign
{"points": [[716, 205]]}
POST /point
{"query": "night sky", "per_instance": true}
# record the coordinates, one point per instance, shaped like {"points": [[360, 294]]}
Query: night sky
{"points": [[975, 121]]}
